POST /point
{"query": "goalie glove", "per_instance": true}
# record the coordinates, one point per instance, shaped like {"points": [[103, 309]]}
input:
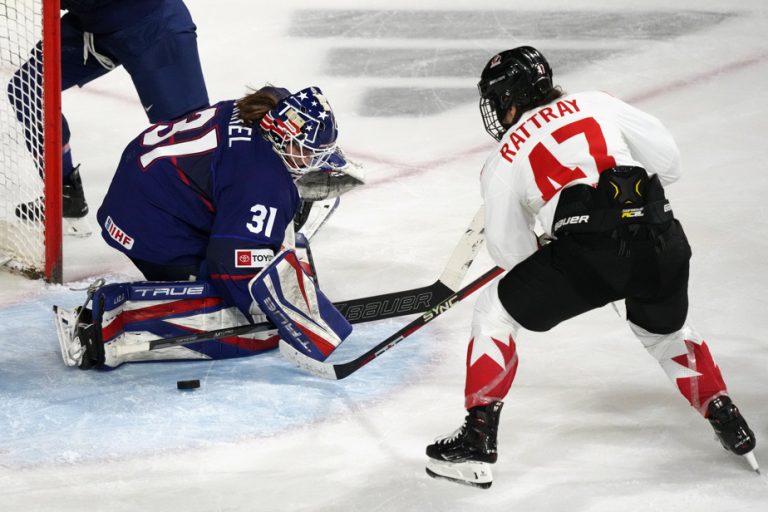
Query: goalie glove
{"points": [[330, 183], [304, 316]]}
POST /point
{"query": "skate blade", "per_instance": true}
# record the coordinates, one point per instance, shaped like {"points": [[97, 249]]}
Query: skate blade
{"points": [[474, 474], [750, 456], [79, 228], [65, 328]]}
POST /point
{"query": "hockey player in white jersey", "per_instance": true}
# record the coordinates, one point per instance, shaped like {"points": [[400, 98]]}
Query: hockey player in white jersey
{"points": [[591, 171]]}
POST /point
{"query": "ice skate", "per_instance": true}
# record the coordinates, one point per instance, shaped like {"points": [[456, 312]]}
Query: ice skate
{"points": [[732, 429], [72, 350], [74, 207], [77, 338], [465, 456]]}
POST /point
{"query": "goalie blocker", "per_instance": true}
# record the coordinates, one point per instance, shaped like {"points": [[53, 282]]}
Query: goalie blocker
{"points": [[304, 316]]}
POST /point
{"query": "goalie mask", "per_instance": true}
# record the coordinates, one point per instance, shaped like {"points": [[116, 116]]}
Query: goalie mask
{"points": [[519, 77], [302, 130]]}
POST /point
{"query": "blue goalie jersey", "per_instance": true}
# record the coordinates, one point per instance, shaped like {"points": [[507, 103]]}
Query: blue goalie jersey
{"points": [[203, 189]]}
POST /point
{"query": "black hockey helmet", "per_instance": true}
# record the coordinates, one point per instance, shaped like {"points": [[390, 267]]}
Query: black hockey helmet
{"points": [[520, 77]]}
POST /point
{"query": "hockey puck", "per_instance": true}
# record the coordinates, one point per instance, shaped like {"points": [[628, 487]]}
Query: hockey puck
{"points": [[188, 384]]}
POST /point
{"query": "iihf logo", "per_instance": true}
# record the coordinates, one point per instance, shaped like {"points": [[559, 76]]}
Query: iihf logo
{"points": [[495, 61]]}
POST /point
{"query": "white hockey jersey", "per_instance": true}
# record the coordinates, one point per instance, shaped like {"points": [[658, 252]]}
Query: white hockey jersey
{"points": [[567, 142]]}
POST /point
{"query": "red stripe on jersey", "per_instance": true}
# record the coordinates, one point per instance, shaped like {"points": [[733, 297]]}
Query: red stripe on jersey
{"points": [[231, 277]]}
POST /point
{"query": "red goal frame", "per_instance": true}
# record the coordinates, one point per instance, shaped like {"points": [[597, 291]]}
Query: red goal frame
{"points": [[52, 140]]}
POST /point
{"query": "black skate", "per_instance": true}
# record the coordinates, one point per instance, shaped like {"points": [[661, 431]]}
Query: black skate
{"points": [[73, 203], [74, 207], [732, 429], [465, 455]]}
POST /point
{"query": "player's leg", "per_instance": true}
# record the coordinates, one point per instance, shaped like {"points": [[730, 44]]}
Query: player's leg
{"points": [[125, 317], [463, 456], [79, 66], [659, 321], [162, 58], [537, 294], [74, 71]]}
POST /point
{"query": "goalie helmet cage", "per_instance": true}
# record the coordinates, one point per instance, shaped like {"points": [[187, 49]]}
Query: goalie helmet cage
{"points": [[30, 144]]}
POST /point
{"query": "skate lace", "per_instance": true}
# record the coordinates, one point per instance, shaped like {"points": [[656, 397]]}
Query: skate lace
{"points": [[452, 437]]}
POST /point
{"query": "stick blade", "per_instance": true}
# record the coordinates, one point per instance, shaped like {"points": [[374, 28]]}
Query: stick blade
{"points": [[317, 368], [464, 253]]}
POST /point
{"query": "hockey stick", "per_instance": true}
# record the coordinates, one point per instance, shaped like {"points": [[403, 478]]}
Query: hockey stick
{"points": [[364, 309], [419, 300], [226, 332], [342, 370]]}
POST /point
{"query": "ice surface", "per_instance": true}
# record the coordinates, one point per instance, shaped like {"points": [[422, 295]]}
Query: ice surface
{"points": [[591, 423]]}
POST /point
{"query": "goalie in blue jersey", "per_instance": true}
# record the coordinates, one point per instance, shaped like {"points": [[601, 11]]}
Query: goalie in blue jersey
{"points": [[204, 207]]}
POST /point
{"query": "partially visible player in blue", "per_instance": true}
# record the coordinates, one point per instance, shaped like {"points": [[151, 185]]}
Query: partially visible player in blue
{"points": [[154, 40], [211, 197], [196, 190]]}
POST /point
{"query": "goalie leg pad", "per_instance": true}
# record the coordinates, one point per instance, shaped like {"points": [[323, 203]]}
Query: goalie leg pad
{"points": [[304, 316], [128, 316]]}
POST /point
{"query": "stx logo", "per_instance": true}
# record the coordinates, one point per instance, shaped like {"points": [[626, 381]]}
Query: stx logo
{"points": [[168, 291], [253, 258]]}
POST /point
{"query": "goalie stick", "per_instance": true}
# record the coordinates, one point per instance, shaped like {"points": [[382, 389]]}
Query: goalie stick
{"points": [[340, 371], [365, 309]]}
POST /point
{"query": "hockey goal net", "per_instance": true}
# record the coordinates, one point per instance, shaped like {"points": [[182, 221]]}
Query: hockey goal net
{"points": [[30, 138]]}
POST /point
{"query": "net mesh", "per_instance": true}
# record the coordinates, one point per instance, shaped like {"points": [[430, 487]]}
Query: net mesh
{"points": [[21, 149]]}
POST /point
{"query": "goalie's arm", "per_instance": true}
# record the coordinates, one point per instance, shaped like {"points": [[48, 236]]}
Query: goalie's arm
{"points": [[231, 264]]}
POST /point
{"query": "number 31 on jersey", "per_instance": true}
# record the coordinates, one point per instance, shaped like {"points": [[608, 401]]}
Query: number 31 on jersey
{"points": [[262, 221]]}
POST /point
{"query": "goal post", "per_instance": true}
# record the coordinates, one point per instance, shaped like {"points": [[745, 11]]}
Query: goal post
{"points": [[52, 114], [30, 138]]}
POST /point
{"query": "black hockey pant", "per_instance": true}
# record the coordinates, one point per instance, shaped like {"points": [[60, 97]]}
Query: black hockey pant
{"points": [[645, 265]]}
